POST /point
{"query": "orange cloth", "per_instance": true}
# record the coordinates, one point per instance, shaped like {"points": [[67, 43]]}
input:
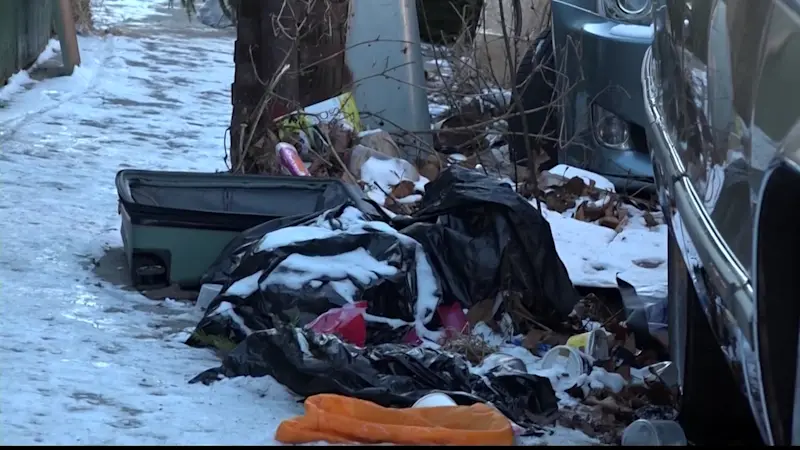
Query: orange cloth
{"points": [[342, 420]]}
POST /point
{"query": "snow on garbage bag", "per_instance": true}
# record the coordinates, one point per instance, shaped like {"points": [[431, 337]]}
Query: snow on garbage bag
{"points": [[483, 238], [298, 272], [392, 375], [473, 238]]}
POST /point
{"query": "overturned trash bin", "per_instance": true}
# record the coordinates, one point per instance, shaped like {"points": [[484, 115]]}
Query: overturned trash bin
{"points": [[175, 224]]}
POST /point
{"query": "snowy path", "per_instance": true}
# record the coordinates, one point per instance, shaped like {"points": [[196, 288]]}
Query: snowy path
{"points": [[83, 361]]}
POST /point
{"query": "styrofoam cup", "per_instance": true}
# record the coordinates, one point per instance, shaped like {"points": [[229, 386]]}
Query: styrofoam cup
{"points": [[644, 432], [433, 400], [572, 360]]}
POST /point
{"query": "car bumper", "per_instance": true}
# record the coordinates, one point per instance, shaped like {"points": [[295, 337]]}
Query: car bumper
{"points": [[601, 60]]}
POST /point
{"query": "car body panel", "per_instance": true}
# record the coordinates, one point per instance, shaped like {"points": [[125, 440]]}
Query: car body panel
{"points": [[719, 92], [596, 55]]}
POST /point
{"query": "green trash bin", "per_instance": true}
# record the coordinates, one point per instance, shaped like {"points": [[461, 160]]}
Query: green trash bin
{"points": [[175, 224]]}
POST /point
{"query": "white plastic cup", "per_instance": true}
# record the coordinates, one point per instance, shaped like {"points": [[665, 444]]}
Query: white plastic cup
{"points": [[571, 360], [433, 400], [208, 292], [651, 433]]}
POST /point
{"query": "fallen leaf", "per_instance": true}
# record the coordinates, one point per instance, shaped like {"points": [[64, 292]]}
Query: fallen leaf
{"points": [[649, 220], [429, 171], [403, 189], [481, 312], [588, 213], [609, 222], [575, 186], [557, 203], [580, 213]]}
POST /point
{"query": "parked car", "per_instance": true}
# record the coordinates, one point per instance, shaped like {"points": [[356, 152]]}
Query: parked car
{"points": [[582, 76], [724, 112]]}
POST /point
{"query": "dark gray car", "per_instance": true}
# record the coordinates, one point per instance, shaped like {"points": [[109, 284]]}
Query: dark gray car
{"points": [[581, 77], [721, 97]]}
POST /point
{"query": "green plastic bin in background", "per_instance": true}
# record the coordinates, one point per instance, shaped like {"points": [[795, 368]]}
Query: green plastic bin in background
{"points": [[175, 224]]}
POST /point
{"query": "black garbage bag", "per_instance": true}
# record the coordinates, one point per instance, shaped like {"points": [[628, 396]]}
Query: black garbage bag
{"points": [[221, 271], [482, 237], [392, 375], [296, 273]]}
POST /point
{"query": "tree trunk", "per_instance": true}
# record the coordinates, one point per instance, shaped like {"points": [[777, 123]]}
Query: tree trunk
{"points": [[246, 90], [324, 72], [266, 41]]}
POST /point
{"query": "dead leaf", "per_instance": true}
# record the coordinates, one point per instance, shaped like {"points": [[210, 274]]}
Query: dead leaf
{"points": [[558, 203], [649, 220], [588, 213], [403, 189], [429, 171], [621, 225], [580, 213], [481, 312], [575, 186], [608, 404], [609, 222]]}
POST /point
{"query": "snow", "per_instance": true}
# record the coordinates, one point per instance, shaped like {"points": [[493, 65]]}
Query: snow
{"points": [[116, 12], [569, 172], [344, 272], [381, 175], [595, 255], [86, 361], [21, 80], [341, 271]]}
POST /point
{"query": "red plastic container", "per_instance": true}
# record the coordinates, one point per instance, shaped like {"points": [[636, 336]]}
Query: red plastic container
{"points": [[346, 322], [454, 322]]}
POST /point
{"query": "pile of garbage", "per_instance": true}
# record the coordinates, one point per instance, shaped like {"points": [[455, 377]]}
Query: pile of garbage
{"points": [[463, 296]]}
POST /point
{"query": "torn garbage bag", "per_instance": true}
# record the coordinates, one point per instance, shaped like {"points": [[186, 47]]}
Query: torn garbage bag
{"points": [[393, 375], [298, 272], [644, 316], [482, 238]]}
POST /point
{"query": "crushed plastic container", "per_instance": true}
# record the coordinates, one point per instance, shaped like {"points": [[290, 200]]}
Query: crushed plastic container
{"points": [[645, 432], [346, 322]]}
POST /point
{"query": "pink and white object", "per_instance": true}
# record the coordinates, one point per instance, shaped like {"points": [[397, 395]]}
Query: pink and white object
{"points": [[289, 160]]}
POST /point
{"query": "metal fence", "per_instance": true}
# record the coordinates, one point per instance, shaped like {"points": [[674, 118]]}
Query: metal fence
{"points": [[25, 28]]}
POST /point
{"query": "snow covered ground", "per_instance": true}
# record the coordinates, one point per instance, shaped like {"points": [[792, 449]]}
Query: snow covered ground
{"points": [[595, 255], [83, 361]]}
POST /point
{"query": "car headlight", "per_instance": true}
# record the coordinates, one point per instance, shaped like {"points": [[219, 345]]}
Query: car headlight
{"points": [[631, 11], [633, 7], [609, 129]]}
